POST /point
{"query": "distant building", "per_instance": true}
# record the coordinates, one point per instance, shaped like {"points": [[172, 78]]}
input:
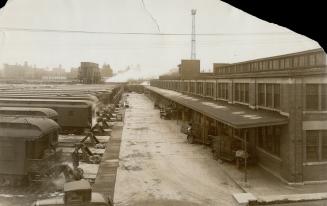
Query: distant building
{"points": [[189, 69], [106, 71], [89, 73], [73, 74], [58, 73], [14, 71]]}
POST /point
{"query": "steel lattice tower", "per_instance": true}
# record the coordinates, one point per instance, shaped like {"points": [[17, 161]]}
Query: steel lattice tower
{"points": [[193, 49]]}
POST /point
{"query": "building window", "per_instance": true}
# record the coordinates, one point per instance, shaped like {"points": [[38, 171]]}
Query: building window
{"points": [[241, 92], [209, 89], [222, 91], [287, 63], [246, 88], [296, 62], [269, 92], [282, 64], [276, 96], [276, 64], [324, 97], [324, 144], [312, 146], [302, 62], [320, 59], [261, 99], [312, 97], [269, 95], [269, 139], [312, 60], [237, 92]]}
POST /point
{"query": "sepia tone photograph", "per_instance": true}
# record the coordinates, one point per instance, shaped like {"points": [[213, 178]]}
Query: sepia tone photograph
{"points": [[158, 103]]}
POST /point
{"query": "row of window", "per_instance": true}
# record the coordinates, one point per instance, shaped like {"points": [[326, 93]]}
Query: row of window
{"points": [[311, 60], [269, 95]]}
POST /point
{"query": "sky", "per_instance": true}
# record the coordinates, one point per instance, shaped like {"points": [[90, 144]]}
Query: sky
{"points": [[126, 33]]}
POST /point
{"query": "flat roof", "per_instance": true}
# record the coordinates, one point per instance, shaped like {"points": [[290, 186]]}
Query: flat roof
{"points": [[236, 116]]}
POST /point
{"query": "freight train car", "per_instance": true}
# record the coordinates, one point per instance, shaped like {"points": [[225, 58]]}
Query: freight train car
{"points": [[35, 112], [73, 115], [27, 145]]}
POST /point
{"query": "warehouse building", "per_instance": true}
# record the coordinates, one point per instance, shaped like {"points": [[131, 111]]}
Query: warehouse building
{"points": [[275, 106]]}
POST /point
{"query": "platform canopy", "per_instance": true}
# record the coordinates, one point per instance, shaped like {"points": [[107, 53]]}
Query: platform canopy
{"points": [[236, 116]]}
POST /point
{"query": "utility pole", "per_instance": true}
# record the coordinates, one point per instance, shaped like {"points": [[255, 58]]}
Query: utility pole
{"points": [[193, 50], [245, 157]]}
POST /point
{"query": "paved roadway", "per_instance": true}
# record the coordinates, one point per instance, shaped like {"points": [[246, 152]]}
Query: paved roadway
{"points": [[157, 166]]}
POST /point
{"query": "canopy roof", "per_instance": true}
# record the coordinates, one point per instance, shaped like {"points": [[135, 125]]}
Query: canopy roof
{"points": [[236, 116]]}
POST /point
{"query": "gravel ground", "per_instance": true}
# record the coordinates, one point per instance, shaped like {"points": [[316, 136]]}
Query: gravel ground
{"points": [[158, 167]]}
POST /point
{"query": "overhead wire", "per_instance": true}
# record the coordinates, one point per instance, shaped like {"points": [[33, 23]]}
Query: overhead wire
{"points": [[138, 33]]}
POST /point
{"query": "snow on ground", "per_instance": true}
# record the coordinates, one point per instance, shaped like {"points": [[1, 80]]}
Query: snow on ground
{"points": [[93, 150], [11, 196], [158, 167], [77, 138], [90, 170]]}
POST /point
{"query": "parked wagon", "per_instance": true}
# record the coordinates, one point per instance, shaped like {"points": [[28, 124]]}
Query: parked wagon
{"points": [[27, 146], [35, 112]]}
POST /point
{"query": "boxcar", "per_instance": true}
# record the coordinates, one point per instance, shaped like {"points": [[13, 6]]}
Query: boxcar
{"points": [[36, 112], [27, 145], [73, 115]]}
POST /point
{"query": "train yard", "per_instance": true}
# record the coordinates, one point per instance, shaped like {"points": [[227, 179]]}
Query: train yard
{"points": [[52, 135], [157, 144]]}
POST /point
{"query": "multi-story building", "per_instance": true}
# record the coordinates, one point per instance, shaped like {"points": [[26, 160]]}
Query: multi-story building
{"points": [[283, 100], [89, 73]]}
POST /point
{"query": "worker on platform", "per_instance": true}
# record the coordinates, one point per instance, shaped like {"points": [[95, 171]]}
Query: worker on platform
{"points": [[75, 157]]}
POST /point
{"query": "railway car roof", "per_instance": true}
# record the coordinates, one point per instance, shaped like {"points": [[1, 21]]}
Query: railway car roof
{"points": [[233, 115], [46, 96], [46, 111], [74, 102], [27, 128], [77, 185]]}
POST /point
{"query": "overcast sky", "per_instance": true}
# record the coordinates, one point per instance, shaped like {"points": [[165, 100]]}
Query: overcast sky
{"points": [[238, 36]]}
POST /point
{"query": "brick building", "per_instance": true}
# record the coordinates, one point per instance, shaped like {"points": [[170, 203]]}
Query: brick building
{"points": [[89, 73], [287, 98]]}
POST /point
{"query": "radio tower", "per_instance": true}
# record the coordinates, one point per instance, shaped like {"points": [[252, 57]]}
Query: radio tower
{"points": [[193, 52]]}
